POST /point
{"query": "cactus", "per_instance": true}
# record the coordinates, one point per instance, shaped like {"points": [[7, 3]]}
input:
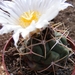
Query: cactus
{"points": [[44, 53], [42, 50]]}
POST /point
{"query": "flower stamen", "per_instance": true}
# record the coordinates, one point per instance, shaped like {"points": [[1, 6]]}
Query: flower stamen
{"points": [[27, 17]]}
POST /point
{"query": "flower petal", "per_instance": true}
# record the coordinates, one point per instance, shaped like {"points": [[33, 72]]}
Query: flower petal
{"points": [[42, 24], [64, 6], [25, 32], [52, 12], [16, 37], [8, 28]]}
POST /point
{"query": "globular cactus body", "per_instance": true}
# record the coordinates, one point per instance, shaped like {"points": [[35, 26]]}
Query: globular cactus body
{"points": [[42, 53]]}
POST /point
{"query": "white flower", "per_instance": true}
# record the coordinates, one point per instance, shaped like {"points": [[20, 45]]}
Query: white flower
{"points": [[25, 16]]}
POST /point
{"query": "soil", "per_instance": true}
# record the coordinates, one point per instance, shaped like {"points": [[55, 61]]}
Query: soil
{"points": [[67, 17]]}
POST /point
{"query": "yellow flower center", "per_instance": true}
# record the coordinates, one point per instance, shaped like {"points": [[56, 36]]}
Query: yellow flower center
{"points": [[27, 17]]}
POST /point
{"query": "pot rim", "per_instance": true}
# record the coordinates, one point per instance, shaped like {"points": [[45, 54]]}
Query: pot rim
{"points": [[11, 39], [3, 61]]}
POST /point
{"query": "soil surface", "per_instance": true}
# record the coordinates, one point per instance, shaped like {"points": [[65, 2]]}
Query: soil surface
{"points": [[67, 17]]}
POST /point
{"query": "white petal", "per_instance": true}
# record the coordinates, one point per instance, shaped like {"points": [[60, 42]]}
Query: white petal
{"points": [[3, 20], [42, 24], [53, 11], [3, 30], [8, 28], [9, 9], [63, 0], [26, 31], [16, 37], [64, 6]]}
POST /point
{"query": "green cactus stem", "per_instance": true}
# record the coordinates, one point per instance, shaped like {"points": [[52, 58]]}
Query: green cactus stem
{"points": [[38, 49]]}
